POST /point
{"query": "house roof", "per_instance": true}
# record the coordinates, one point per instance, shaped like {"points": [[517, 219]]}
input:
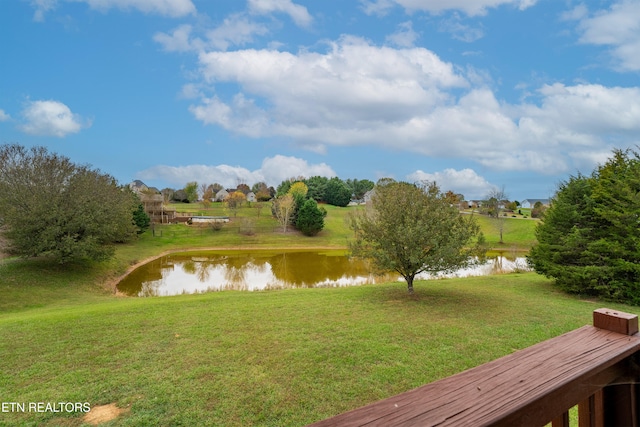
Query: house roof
{"points": [[534, 201], [137, 185]]}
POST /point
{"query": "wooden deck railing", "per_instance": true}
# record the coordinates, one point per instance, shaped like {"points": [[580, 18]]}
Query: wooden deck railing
{"points": [[594, 367]]}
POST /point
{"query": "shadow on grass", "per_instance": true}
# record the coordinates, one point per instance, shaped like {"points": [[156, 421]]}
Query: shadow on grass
{"points": [[444, 295]]}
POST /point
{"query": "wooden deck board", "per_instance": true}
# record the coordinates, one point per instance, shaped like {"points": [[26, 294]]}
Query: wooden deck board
{"points": [[524, 388]]}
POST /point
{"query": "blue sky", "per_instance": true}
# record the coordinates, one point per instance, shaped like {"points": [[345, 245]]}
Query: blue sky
{"points": [[474, 94]]}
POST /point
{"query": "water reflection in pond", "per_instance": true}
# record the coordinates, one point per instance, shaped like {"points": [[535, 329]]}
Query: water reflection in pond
{"points": [[194, 272]]}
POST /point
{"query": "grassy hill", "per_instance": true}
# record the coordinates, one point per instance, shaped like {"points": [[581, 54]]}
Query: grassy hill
{"points": [[254, 358]]}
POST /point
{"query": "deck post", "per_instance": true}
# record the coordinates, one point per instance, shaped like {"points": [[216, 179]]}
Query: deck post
{"points": [[591, 412], [620, 399], [561, 421], [615, 321]]}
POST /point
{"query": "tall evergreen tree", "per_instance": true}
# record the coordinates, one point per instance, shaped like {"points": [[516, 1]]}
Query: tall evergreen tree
{"points": [[310, 220], [589, 240], [317, 186], [141, 219], [337, 193]]}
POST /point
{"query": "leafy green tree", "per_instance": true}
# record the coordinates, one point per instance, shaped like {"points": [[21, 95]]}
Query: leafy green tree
{"points": [[141, 219], [411, 229], [589, 239], [337, 193], [538, 210], [298, 190], [262, 191], [310, 219], [50, 206], [452, 197], [191, 190], [180, 196], [317, 186], [285, 185], [385, 181]]}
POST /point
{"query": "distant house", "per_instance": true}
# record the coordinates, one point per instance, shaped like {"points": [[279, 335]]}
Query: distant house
{"points": [[368, 195], [251, 197], [221, 195], [530, 203], [138, 186], [152, 202]]}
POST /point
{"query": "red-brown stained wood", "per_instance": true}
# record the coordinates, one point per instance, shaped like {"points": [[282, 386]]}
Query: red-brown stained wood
{"points": [[591, 411], [616, 321], [561, 421], [527, 388]]}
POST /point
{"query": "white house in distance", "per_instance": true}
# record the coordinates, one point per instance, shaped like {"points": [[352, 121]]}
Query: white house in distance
{"points": [[221, 195], [530, 203]]}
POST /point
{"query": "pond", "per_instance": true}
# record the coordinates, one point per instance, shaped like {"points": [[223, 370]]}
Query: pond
{"points": [[196, 272]]}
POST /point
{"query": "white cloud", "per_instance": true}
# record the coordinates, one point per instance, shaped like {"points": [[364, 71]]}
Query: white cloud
{"points": [[410, 100], [241, 112], [179, 40], [617, 27], [190, 91], [460, 31], [51, 118], [299, 14], [577, 13], [465, 181], [356, 87], [273, 171], [171, 8], [590, 109], [4, 116], [178, 176], [469, 7], [278, 168], [377, 7], [405, 36], [235, 30], [42, 6]]}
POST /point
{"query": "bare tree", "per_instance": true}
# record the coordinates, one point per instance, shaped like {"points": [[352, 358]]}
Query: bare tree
{"points": [[207, 195], [495, 206], [283, 208], [234, 202]]}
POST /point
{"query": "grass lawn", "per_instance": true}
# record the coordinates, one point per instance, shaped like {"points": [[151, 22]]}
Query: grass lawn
{"points": [[518, 233], [282, 358]]}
